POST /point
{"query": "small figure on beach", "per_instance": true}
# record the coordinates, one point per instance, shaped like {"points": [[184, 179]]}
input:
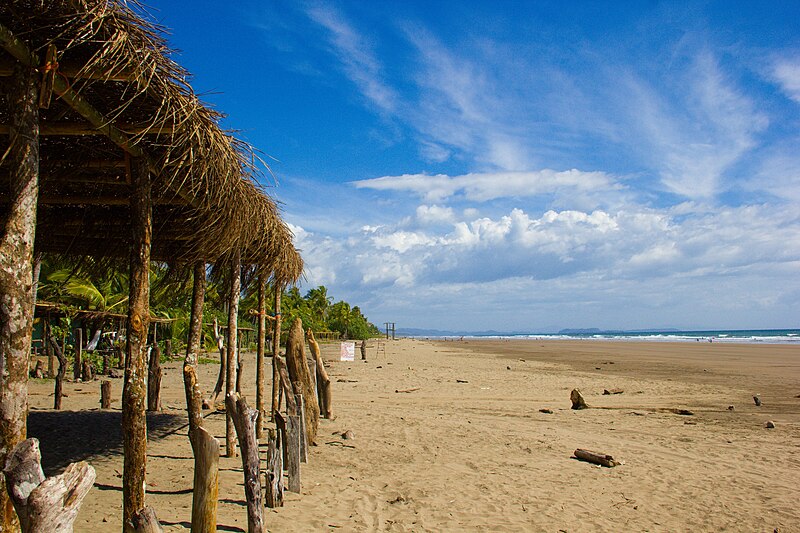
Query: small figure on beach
{"points": [[363, 350]]}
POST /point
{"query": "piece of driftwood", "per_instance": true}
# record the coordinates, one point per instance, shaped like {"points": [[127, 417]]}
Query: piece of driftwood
{"points": [[206, 480], [596, 458], [300, 375], [38, 371], [145, 521], [154, 379], [577, 400], [274, 477], [45, 505], [290, 441], [105, 394], [323, 380], [412, 389], [222, 360], [757, 400], [612, 391], [244, 420]]}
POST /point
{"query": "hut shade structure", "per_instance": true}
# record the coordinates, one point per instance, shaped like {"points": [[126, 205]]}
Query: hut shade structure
{"points": [[115, 111]]}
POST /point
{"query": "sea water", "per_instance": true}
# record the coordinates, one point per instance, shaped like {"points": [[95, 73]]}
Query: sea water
{"points": [[749, 336]]}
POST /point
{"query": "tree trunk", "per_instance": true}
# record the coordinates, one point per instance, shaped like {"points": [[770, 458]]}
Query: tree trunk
{"points": [[44, 504], [154, 379], [58, 392], [276, 345], [105, 394], [285, 384], [191, 388], [134, 422], [223, 360], [244, 419], [206, 480], [323, 380], [16, 272], [262, 336], [230, 367], [145, 521], [299, 373]]}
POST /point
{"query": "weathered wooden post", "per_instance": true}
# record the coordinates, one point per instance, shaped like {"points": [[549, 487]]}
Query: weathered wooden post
{"points": [[244, 419], [276, 345], [206, 480], [62, 371], [262, 335], [134, 392], [363, 350], [230, 370], [45, 505], [77, 366], [87, 370], [154, 378], [289, 428], [274, 490], [192, 390], [105, 394], [299, 373]]}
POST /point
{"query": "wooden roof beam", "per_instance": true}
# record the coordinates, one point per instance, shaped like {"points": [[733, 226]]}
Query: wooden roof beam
{"points": [[81, 128], [73, 71]]}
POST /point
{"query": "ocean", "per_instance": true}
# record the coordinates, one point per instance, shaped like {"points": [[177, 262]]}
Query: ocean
{"points": [[748, 336]]}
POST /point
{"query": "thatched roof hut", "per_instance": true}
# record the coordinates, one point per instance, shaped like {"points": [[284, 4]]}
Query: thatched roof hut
{"points": [[123, 96], [105, 151]]}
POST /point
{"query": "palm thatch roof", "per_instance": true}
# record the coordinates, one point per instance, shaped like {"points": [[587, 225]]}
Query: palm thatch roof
{"points": [[118, 95]]}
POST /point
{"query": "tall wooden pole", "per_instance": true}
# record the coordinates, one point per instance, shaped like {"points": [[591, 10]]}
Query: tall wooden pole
{"points": [[16, 271], [193, 347], [230, 371], [262, 337], [134, 392], [276, 344]]}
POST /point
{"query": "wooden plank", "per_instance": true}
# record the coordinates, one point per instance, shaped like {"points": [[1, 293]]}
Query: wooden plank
{"points": [[274, 489]]}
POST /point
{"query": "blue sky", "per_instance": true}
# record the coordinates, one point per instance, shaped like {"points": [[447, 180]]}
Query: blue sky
{"points": [[522, 165]]}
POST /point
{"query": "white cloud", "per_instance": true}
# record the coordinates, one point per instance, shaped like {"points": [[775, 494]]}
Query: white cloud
{"points": [[787, 73], [481, 187], [355, 53]]}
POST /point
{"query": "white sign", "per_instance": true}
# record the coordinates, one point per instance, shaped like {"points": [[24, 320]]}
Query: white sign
{"points": [[348, 351]]}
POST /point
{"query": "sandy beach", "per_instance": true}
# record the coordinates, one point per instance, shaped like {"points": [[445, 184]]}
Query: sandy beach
{"points": [[449, 436]]}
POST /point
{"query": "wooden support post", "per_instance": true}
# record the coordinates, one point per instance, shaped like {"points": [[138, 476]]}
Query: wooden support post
{"points": [[105, 394], [260, 355], [298, 398], [145, 521], [77, 366], [276, 345], [290, 440], [154, 379], [285, 384], [191, 388], [51, 356], [62, 371], [363, 350], [106, 363], [244, 419], [16, 256], [134, 422], [230, 368], [45, 504], [274, 491], [299, 373], [323, 380], [87, 371], [168, 349], [206, 480], [223, 360]]}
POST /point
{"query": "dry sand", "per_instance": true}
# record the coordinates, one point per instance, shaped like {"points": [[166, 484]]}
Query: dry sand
{"points": [[468, 449]]}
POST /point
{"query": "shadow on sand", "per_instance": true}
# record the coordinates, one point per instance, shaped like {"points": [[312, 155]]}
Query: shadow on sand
{"points": [[69, 436]]}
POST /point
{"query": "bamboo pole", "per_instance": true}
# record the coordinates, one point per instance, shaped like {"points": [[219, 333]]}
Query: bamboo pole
{"points": [[134, 392], [16, 283], [230, 372]]}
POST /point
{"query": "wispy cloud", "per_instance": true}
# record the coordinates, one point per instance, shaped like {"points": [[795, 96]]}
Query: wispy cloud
{"points": [[356, 55], [787, 73]]}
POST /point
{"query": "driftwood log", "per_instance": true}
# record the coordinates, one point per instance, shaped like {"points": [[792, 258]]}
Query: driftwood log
{"points": [[145, 521], [577, 400], [300, 375], [206, 480], [244, 419], [284, 384], [323, 380], [45, 505], [596, 458], [274, 477]]}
